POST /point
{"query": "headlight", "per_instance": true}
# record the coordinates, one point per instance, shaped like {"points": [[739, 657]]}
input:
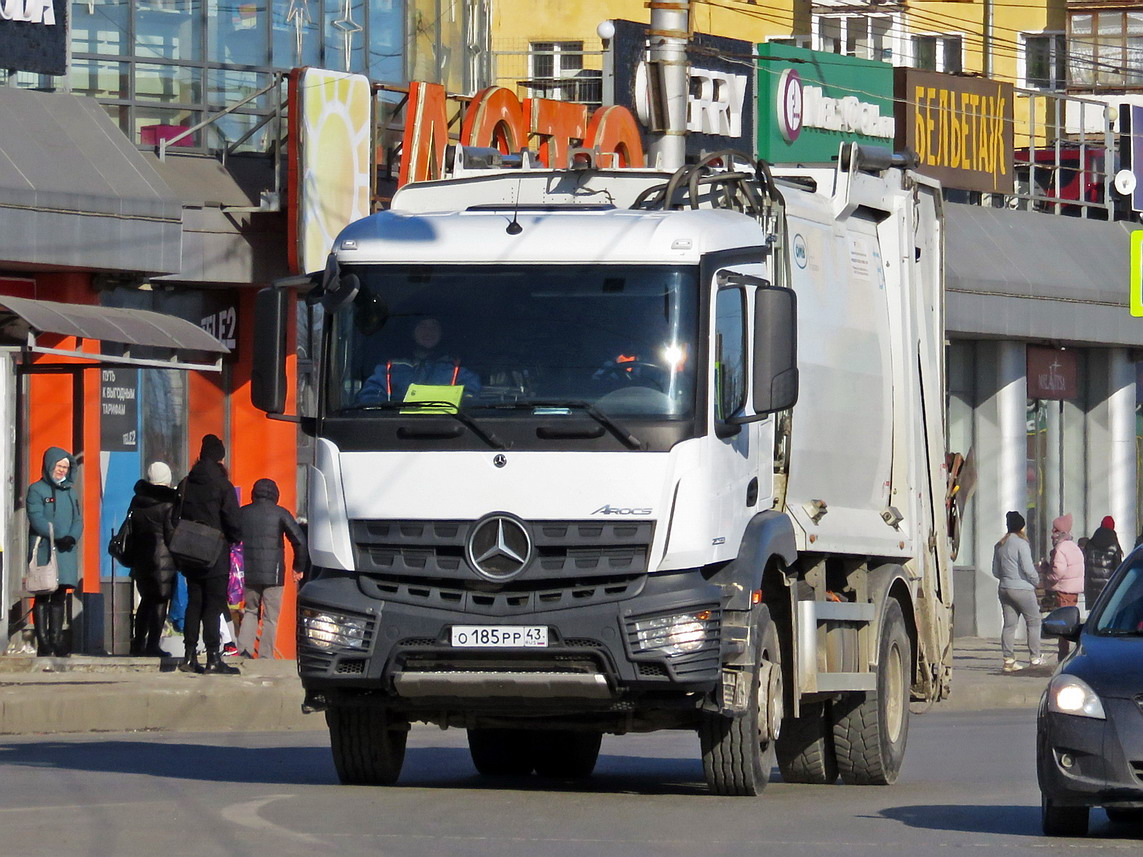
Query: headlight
{"points": [[332, 630], [673, 635], [1070, 695]]}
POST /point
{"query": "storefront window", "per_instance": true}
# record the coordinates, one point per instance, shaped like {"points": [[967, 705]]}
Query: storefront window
{"points": [[1055, 443], [100, 28], [164, 394], [238, 33], [344, 28], [961, 393], [99, 79], [169, 29]]}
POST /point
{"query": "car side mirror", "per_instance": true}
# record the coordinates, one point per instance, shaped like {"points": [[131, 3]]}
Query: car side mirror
{"points": [[1064, 622]]}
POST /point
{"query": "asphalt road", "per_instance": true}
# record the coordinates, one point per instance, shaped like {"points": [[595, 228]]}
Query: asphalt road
{"points": [[968, 783]]}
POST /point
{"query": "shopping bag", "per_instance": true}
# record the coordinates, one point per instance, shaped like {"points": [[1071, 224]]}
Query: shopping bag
{"points": [[41, 579]]}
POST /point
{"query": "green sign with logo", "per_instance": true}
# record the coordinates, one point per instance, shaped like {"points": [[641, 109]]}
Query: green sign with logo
{"points": [[810, 102]]}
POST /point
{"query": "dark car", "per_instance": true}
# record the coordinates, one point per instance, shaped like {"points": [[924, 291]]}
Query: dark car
{"points": [[1089, 730]]}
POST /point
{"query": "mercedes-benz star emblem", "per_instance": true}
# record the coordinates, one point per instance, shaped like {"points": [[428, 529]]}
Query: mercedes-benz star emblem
{"points": [[500, 460], [499, 547]]}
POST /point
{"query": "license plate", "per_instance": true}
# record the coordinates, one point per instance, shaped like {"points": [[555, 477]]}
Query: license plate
{"points": [[499, 636]]}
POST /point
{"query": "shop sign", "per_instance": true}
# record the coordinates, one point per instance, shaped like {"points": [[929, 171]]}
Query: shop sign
{"points": [[118, 409], [219, 317], [720, 103], [959, 127], [496, 118], [1051, 373], [809, 102], [33, 35]]}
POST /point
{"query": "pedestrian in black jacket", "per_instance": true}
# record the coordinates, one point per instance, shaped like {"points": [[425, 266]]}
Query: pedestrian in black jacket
{"points": [[208, 497], [264, 523], [152, 566], [1102, 555]]}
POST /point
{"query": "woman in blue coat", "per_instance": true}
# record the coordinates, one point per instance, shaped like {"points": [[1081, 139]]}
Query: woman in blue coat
{"points": [[53, 513]]}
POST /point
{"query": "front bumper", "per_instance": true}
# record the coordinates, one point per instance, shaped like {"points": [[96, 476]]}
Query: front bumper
{"points": [[1082, 761], [592, 660]]}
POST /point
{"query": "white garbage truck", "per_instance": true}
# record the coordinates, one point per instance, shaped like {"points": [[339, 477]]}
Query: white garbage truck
{"points": [[601, 451]]}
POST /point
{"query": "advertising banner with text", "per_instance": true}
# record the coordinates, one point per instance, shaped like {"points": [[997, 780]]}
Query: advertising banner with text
{"points": [[960, 128], [810, 102]]}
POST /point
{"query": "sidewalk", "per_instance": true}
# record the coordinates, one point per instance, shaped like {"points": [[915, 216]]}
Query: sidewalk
{"points": [[123, 694]]}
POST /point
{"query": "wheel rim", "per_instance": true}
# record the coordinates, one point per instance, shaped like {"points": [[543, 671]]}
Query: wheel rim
{"points": [[894, 694]]}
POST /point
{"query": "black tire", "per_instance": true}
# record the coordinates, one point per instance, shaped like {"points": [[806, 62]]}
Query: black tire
{"points": [[805, 747], [368, 746], [1063, 820], [870, 729], [566, 754], [736, 758], [1132, 817], [501, 752]]}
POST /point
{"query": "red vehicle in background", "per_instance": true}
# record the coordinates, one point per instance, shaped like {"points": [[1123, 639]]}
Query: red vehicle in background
{"points": [[1065, 175]]}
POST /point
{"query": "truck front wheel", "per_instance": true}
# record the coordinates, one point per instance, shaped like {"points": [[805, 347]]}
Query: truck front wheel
{"points": [[501, 752], [738, 752], [566, 754], [368, 746], [870, 729]]}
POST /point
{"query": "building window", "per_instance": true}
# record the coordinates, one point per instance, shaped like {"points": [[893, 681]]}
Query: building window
{"points": [[555, 70], [1045, 60], [870, 37], [1106, 48], [792, 41], [939, 53]]}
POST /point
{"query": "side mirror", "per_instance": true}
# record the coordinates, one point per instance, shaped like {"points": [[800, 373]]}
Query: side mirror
{"points": [[1064, 622], [268, 373], [775, 349], [337, 290]]}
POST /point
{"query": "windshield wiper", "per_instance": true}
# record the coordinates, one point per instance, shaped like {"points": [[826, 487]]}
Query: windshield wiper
{"points": [[446, 409], [628, 439]]}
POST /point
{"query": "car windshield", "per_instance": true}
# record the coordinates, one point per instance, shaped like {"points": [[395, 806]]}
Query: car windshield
{"points": [[613, 339], [1122, 613]]}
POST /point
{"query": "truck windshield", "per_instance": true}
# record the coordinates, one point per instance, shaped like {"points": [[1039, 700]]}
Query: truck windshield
{"points": [[618, 339]]}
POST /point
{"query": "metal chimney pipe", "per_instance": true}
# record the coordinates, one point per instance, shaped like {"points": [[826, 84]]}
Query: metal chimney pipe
{"points": [[669, 35]]}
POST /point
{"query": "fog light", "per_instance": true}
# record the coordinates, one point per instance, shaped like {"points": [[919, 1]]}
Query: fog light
{"points": [[1066, 760], [332, 630]]}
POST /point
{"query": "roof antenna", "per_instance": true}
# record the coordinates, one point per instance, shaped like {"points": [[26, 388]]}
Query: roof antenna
{"points": [[514, 227]]}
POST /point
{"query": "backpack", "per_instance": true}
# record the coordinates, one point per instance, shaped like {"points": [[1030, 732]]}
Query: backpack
{"points": [[121, 544]]}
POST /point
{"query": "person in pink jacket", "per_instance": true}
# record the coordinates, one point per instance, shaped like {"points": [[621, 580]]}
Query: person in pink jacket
{"points": [[1066, 569]]}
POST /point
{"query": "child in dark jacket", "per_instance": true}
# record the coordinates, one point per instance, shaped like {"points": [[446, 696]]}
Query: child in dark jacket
{"points": [[264, 523]]}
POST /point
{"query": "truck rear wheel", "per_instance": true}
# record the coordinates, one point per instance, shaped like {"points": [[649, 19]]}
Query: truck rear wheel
{"points": [[738, 752], [870, 729], [368, 746], [805, 747], [566, 754], [501, 752]]}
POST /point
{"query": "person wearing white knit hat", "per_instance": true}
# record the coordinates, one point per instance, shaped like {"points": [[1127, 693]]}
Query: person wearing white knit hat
{"points": [[152, 566]]}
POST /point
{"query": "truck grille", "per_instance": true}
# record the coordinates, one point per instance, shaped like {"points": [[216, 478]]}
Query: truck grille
{"points": [[517, 598], [563, 549]]}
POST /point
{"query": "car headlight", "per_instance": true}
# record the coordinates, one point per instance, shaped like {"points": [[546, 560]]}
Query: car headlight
{"points": [[1070, 695], [332, 630], [673, 635]]}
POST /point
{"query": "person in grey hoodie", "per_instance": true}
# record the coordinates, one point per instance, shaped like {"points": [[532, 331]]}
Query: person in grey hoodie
{"points": [[1012, 565]]}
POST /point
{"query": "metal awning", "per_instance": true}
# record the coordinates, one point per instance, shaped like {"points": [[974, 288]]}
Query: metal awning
{"points": [[76, 193], [1026, 275], [179, 343]]}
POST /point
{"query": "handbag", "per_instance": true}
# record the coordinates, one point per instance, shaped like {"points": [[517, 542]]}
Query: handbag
{"points": [[121, 544], [194, 545], [41, 579]]}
